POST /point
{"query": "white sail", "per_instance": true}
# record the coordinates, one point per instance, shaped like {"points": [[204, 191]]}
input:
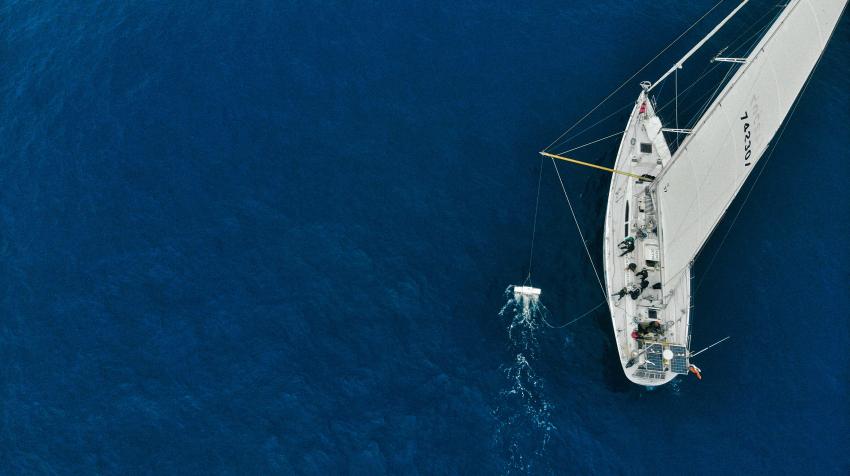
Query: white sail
{"points": [[695, 190]]}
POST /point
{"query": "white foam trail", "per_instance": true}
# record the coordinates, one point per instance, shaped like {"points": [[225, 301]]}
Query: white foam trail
{"points": [[525, 313], [523, 412]]}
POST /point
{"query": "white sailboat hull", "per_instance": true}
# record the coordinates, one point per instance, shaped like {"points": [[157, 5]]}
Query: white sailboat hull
{"points": [[648, 321]]}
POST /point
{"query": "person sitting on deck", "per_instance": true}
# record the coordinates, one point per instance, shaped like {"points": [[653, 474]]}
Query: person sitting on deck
{"points": [[621, 293], [652, 327], [629, 242], [656, 286], [656, 328], [631, 267], [630, 246], [643, 284], [643, 274], [635, 293]]}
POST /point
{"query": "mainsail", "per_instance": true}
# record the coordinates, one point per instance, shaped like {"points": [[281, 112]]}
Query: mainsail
{"points": [[695, 189]]}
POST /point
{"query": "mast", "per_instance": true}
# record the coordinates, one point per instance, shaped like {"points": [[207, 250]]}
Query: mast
{"points": [[693, 50]]}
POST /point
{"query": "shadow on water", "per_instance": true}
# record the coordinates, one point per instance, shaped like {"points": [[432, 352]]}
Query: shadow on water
{"points": [[612, 371]]}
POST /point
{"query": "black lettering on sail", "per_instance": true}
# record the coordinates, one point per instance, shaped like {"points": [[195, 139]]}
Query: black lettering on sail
{"points": [[747, 142]]}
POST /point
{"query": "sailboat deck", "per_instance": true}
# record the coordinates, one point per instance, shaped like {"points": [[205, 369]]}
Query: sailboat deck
{"points": [[652, 315]]}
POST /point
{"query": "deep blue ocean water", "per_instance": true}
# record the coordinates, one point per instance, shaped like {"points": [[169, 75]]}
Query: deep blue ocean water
{"points": [[274, 238]]}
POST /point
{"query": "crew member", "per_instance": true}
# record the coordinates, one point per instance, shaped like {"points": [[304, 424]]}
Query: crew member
{"points": [[621, 293]]}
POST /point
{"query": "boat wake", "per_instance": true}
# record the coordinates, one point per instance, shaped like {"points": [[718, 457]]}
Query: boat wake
{"points": [[522, 410]]}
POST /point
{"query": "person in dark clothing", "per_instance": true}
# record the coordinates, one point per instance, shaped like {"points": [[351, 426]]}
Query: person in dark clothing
{"points": [[656, 286], [652, 327], [644, 284], [643, 274], [628, 249], [629, 242], [631, 267], [656, 328], [622, 293], [635, 293]]}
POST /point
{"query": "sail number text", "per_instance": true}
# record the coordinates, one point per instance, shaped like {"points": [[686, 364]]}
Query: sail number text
{"points": [[747, 142]]}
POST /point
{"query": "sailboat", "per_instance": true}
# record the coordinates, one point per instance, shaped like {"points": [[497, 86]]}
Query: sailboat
{"points": [[663, 207]]}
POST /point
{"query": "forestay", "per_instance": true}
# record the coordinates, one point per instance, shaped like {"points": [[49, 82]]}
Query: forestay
{"points": [[706, 173]]}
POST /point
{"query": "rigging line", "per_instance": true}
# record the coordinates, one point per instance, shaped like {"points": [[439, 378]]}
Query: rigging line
{"points": [[591, 143], [534, 227], [712, 345], [678, 64], [696, 118], [709, 69], [633, 76], [631, 104], [676, 98], [661, 88], [704, 74], [710, 94], [745, 47], [723, 82], [578, 227], [750, 28], [574, 320], [758, 176], [748, 43]]}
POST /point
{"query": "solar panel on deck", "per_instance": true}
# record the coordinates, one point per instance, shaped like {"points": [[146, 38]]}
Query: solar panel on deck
{"points": [[653, 358], [679, 364]]}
